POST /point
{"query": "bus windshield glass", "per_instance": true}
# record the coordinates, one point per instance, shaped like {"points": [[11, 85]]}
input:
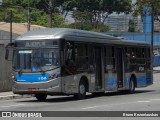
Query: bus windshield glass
{"points": [[35, 60]]}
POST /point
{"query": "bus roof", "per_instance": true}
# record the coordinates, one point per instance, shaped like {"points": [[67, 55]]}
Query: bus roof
{"points": [[76, 35]]}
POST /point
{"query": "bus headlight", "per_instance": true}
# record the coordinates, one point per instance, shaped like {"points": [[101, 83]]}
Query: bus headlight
{"points": [[13, 77]]}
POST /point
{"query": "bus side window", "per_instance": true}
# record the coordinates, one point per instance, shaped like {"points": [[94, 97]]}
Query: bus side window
{"points": [[70, 67], [127, 53], [109, 58], [82, 57], [69, 54]]}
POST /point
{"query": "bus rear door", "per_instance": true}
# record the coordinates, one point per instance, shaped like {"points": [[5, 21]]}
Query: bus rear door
{"points": [[120, 67], [98, 68]]}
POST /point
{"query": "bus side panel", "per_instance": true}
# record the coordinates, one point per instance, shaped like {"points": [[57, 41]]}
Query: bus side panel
{"points": [[143, 80], [149, 77], [127, 80], [92, 83], [71, 83], [111, 81]]}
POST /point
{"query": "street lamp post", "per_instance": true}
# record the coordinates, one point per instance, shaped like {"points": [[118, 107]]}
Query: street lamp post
{"points": [[152, 27], [28, 17], [50, 14], [11, 26]]}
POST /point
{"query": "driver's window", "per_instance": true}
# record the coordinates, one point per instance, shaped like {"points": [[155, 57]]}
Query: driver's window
{"points": [[70, 54]]}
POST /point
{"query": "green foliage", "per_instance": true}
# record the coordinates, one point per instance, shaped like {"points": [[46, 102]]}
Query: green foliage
{"points": [[88, 26], [140, 4], [104, 28], [131, 26], [88, 14], [20, 11], [96, 11]]}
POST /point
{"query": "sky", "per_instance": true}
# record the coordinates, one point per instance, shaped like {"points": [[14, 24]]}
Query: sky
{"points": [[0, 2], [133, 1]]}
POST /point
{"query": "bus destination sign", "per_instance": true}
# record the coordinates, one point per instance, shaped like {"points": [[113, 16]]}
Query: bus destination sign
{"points": [[36, 43]]}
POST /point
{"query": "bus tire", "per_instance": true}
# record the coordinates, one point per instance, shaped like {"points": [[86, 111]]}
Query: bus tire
{"points": [[132, 85], [41, 97], [81, 90]]}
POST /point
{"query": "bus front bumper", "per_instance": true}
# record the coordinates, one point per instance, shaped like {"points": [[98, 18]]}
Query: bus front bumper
{"points": [[49, 87]]}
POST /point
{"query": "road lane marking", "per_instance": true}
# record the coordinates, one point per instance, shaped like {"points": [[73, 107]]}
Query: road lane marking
{"points": [[143, 101], [107, 105], [154, 99], [92, 107], [13, 105]]}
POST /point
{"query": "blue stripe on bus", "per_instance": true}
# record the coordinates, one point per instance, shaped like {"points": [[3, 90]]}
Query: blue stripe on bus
{"points": [[111, 82], [143, 80], [32, 77], [149, 80]]}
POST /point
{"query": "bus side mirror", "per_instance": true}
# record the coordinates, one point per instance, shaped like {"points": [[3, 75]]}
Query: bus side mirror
{"points": [[7, 54], [62, 58]]}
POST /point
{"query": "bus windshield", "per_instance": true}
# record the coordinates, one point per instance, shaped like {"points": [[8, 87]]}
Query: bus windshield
{"points": [[35, 60]]}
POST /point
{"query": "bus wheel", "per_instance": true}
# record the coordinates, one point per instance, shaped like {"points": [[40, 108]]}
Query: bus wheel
{"points": [[132, 85], [41, 97], [82, 90]]}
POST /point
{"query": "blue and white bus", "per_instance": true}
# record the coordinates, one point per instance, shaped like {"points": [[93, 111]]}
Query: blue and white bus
{"points": [[63, 61]]}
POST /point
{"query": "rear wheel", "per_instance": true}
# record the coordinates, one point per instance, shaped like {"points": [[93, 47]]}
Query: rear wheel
{"points": [[132, 85], [82, 90], [41, 97]]}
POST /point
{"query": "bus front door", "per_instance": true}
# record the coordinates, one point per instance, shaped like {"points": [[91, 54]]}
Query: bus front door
{"points": [[98, 68], [120, 67]]}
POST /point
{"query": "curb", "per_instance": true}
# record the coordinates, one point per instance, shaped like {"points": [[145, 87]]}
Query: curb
{"points": [[10, 97]]}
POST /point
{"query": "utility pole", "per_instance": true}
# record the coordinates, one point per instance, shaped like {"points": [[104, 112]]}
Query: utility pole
{"points": [[50, 14], [152, 32], [152, 27], [11, 15], [28, 17]]}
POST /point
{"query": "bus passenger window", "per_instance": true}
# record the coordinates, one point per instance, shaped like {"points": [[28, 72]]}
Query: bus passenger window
{"points": [[127, 53], [133, 55], [69, 52], [70, 67]]}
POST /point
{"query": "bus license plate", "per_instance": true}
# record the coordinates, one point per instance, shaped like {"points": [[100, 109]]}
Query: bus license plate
{"points": [[32, 89]]}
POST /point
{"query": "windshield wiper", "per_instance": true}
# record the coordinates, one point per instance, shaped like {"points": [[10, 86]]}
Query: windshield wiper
{"points": [[41, 70], [20, 71]]}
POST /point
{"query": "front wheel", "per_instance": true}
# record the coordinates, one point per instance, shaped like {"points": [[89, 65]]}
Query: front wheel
{"points": [[41, 97], [82, 90]]}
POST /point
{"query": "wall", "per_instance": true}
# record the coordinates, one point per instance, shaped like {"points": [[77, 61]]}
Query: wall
{"points": [[5, 69], [5, 66]]}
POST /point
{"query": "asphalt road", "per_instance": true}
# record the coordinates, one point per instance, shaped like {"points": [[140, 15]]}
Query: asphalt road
{"points": [[145, 99]]}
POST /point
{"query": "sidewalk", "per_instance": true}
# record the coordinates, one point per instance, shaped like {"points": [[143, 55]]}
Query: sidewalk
{"points": [[156, 68], [10, 95]]}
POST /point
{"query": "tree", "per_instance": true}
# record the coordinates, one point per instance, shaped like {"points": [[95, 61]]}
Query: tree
{"points": [[98, 10], [152, 4], [20, 12], [131, 26]]}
